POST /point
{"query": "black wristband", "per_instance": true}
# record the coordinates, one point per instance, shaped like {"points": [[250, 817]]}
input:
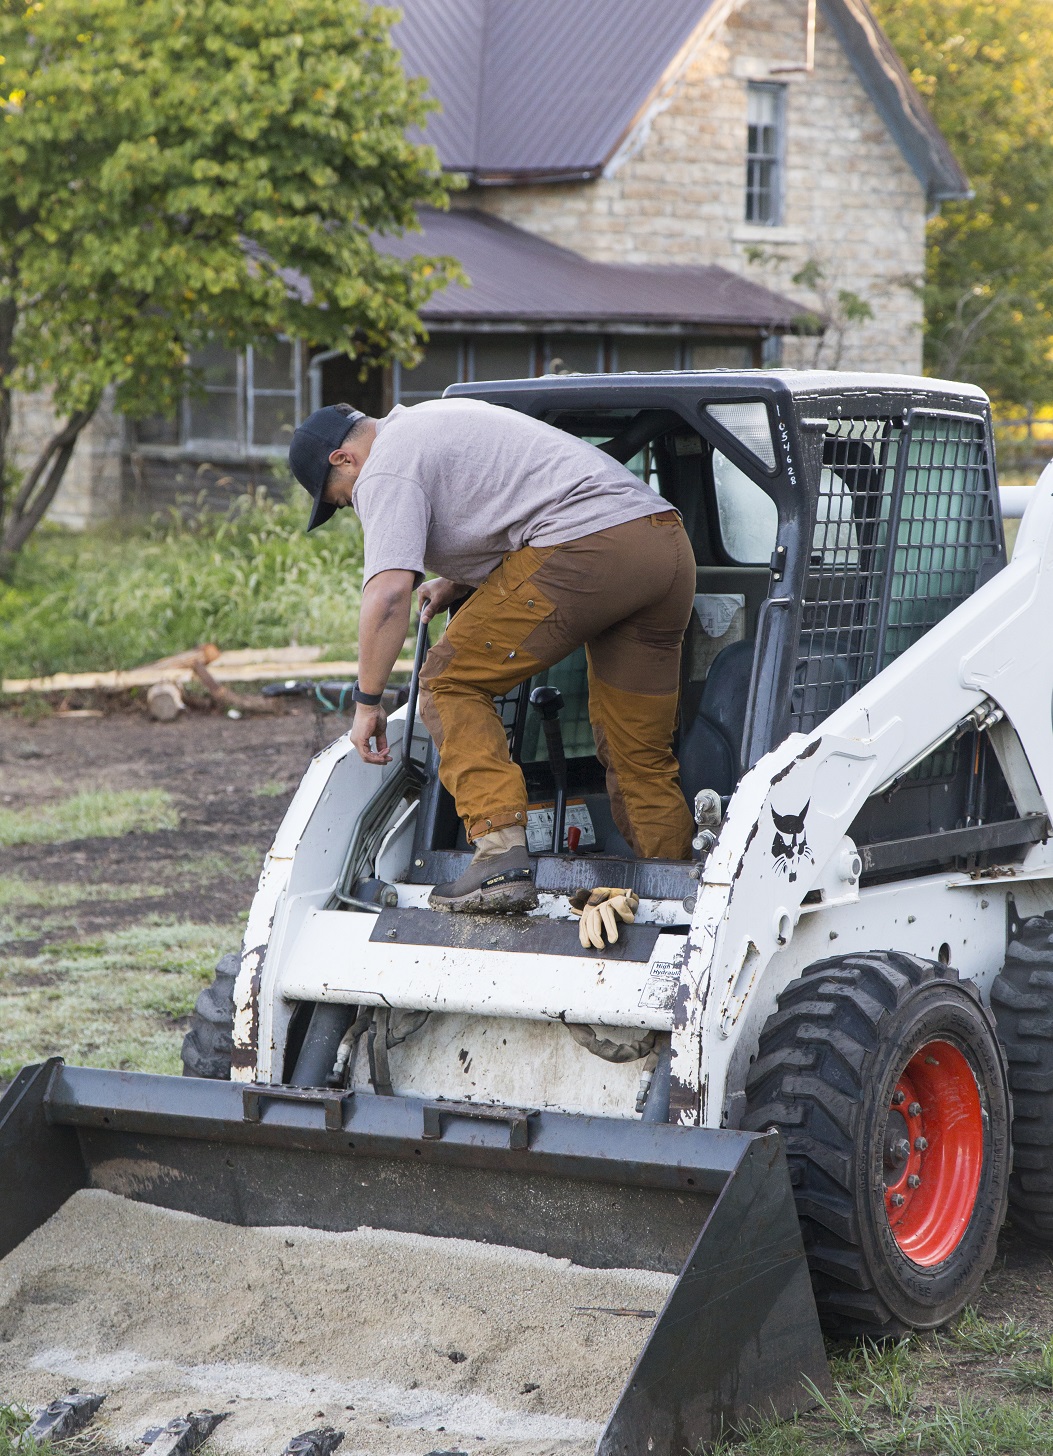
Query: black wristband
{"points": [[368, 700]]}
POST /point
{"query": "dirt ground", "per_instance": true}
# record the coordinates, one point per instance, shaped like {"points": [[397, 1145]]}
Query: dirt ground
{"points": [[104, 943], [231, 782]]}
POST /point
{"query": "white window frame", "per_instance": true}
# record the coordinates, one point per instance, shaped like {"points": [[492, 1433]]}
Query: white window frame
{"points": [[245, 407], [777, 156]]}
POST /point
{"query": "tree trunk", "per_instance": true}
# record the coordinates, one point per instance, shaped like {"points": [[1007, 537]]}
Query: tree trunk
{"points": [[8, 318], [38, 490]]}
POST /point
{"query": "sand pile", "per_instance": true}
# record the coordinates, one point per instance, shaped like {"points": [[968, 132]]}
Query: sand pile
{"points": [[409, 1344]]}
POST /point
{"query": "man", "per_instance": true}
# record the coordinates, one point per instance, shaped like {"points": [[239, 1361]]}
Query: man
{"points": [[548, 543]]}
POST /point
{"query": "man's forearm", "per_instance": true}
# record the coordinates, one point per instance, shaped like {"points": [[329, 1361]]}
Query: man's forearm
{"points": [[382, 627]]}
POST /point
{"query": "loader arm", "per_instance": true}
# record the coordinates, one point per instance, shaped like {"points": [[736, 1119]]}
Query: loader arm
{"points": [[301, 872], [784, 841]]}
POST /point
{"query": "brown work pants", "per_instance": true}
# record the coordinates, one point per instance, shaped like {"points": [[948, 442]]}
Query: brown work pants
{"points": [[626, 593]]}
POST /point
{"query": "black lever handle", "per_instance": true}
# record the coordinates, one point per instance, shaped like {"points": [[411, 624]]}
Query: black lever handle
{"points": [[548, 702], [412, 769]]}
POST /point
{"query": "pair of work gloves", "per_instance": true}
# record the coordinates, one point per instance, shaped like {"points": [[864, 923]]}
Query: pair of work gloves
{"points": [[600, 911]]}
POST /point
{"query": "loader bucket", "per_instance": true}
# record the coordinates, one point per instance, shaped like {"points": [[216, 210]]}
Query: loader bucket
{"points": [[738, 1335]]}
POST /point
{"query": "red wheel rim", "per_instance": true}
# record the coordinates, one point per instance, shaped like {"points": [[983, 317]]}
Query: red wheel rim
{"points": [[933, 1153]]}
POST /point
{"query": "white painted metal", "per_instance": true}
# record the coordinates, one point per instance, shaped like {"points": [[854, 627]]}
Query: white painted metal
{"points": [[299, 874], [516, 1062], [334, 960], [751, 931], [1015, 500], [992, 649]]}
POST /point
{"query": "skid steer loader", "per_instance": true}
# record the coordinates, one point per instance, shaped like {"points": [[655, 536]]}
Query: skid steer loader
{"points": [[788, 1083]]}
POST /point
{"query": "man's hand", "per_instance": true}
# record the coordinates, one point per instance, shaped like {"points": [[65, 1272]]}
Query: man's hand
{"points": [[370, 723], [436, 595]]}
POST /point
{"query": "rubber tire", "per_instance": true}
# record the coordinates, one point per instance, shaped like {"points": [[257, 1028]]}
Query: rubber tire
{"points": [[827, 1065], [209, 1042], [1022, 999]]}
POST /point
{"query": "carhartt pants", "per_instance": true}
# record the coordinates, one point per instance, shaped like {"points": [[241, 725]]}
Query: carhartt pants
{"points": [[626, 593]]}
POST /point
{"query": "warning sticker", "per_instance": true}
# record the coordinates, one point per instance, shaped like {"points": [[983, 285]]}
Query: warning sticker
{"points": [[659, 992], [539, 826]]}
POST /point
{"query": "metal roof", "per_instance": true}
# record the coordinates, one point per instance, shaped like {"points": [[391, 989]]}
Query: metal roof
{"points": [[540, 86], [534, 89], [519, 278], [896, 99]]}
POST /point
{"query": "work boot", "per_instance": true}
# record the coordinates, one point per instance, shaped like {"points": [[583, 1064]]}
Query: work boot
{"points": [[498, 881]]}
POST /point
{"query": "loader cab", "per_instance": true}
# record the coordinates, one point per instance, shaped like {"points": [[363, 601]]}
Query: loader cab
{"points": [[834, 518]]}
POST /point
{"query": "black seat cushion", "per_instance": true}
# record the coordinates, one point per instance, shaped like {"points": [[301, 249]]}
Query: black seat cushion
{"points": [[711, 746]]}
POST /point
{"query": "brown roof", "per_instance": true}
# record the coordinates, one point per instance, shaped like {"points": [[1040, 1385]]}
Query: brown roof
{"points": [[551, 88], [519, 278], [539, 86]]}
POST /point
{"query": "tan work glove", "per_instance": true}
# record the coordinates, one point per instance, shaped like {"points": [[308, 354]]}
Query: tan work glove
{"points": [[600, 911]]}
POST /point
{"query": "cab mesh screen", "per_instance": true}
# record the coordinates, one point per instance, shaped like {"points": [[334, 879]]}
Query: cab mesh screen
{"points": [[905, 521]]}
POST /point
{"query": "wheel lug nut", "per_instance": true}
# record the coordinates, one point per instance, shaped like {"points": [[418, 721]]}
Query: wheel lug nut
{"points": [[920, 1144], [913, 1181], [897, 1200], [898, 1097], [901, 1148], [914, 1110]]}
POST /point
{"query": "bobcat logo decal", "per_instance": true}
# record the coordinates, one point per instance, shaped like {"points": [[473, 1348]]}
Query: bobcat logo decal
{"points": [[790, 845]]}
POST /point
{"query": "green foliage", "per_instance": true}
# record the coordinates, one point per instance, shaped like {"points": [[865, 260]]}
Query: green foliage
{"points": [[13, 1421], [175, 173], [838, 310], [105, 599], [1036, 1374], [891, 1400], [983, 1337], [983, 66], [98, 814], [163, 160]]}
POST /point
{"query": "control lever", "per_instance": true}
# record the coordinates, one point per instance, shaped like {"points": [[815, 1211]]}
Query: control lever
{"points": [[548, 703]]}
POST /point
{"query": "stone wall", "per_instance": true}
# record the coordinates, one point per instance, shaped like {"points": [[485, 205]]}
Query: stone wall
{"points": [[91, 487], [852, 203]]}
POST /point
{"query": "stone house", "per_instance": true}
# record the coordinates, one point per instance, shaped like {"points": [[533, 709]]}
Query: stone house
{"points": [[651, 184]]}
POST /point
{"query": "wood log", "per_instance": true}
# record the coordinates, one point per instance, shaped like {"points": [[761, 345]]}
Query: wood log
{"points": [[224, 698], [164, 702]]}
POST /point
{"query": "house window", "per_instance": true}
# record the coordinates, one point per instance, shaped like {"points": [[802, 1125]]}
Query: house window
{"points": [[249, 402], [766, 107], [456, 359], [646, 354], [443, 364], [501, 356], [719, 354], [573, 354]]}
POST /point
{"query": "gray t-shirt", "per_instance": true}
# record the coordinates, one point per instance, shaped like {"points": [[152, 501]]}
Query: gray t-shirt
{"points": [[451, 485]]}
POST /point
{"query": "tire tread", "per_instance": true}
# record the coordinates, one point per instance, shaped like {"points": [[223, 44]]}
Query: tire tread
{"points": [[1022, 999], [209, 1042], [809, 1081]]}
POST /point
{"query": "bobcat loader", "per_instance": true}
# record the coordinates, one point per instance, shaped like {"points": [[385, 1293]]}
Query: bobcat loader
{"points": [[808, 1079]]}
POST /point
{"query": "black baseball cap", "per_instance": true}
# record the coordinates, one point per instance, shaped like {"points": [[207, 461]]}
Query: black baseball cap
{"points": [[312, 443]]}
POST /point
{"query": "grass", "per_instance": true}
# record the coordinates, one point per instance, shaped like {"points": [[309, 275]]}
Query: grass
{"points": [[102, 814], [984, 1388], [273, 789], [111, 1001], [121, 595], [13, 1421]]}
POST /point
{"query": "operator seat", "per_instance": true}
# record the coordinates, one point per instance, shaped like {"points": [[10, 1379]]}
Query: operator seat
{"points": [[711, 748]]}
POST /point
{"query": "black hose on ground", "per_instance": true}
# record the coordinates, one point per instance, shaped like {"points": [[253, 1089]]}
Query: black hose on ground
{"points": [[321, 1042]]}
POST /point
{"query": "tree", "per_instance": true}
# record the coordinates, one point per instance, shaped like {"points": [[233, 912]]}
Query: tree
{"points": [[984, 67], [180, 172]]}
